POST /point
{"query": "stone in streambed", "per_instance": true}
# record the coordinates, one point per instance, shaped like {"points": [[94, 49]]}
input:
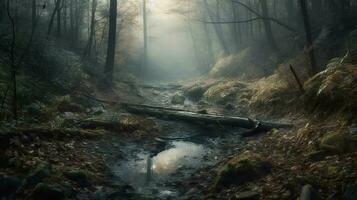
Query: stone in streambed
{"points": [[241, 169]]}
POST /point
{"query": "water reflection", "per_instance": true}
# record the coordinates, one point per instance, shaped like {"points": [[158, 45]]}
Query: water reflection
{"points": [[183, 154], [180, 155]]}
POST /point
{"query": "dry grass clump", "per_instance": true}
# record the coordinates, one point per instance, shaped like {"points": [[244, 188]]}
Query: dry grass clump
{"points": [[224, 92], [333, 90], [249, 63], [196, 89], [273, 96]]}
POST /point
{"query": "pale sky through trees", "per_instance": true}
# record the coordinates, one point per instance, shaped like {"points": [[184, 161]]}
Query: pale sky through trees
{"points": [[169, 41]]}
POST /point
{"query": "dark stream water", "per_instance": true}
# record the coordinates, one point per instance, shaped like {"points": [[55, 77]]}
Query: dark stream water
{"points": [[174, 162]]}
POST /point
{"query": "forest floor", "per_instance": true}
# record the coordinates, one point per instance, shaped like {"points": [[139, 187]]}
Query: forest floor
{"points": [[86, 146]]}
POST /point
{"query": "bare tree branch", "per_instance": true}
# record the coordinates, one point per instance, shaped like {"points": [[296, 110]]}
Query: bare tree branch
{"points": [[259, 17]]}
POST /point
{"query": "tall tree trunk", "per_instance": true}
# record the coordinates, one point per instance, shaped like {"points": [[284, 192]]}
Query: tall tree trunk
{"points": [[289, 5], [2, 9], [145, 38], [211, 56], [267, 26], [77, 22], [71, 18], [235, 26], [65, 17], [50, 25], [109, 64], [317, 11], [59, 18], [87, 51], [12, 58], [309, 40], [34, 12], [218, 29]]}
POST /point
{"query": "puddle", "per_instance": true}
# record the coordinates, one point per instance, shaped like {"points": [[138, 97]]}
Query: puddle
{"points": [[178, 155]]}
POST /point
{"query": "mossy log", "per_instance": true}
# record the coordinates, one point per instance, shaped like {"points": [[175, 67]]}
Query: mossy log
{"points": [[190, 116]]}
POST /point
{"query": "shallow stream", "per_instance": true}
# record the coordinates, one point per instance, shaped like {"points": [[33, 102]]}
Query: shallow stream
{"points": [[174, 161]]}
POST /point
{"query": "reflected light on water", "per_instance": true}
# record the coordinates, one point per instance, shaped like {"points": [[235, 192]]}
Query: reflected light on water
{"points": [[182, 154]]}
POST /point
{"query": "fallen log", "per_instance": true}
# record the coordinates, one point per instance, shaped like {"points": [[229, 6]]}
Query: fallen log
{"points": [[195, 117]]}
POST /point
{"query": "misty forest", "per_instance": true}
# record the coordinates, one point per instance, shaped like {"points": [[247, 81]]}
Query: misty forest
{"points": [[178, 99]]}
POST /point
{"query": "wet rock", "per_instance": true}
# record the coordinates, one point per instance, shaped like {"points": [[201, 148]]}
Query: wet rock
{"points": [[40, 173], [44, 191], [350, 193], [178, 99], [8, 186], [78, 176], [248, 195], [309, 193], [244, 168]]}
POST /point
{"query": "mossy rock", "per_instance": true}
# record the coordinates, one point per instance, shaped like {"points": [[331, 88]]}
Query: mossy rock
{"points": [[224, 92], [242, 169], [195, 92], [338, 143]]}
